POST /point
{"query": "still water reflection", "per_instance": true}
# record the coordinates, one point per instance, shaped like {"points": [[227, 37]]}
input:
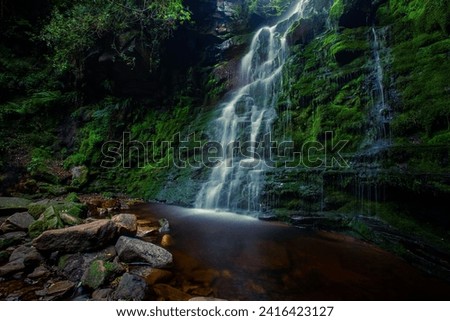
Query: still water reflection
{"points": [[236, 257]]}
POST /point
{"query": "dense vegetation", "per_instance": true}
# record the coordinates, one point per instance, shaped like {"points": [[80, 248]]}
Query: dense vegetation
{"points": [[47, 53], [74, 75]]}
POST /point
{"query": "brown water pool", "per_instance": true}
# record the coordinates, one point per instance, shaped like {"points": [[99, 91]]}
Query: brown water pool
{"points": [[241, 258]]}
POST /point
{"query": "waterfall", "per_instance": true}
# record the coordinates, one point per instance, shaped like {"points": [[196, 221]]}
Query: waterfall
{"points": [[236, 182], [379, 73], [379, 137]]}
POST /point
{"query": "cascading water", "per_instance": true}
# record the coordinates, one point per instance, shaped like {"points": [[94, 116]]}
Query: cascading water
{"points": [[236, 182], [380, 115], [378, 138]]}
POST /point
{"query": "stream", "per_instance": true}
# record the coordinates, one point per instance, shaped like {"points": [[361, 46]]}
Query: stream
{"points": [[239, 257]]}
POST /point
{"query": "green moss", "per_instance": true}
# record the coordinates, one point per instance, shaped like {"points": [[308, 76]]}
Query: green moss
{"points": [[384, 15], [423, 68], [362, 229], [325, 95], [36, 210], [108, 195], [268, 8], [82, 177], [96, 130], [398, 217], [395, 248], [51, 218], [13, 203], [36, 228], [95, 275], [284, 214], [425, 15], [337, 10], [421, 65], [39, 163], [72, 197], [349, 45], [392, 214], [99, 272], [74, 209], [442, 138], [336, 199]]}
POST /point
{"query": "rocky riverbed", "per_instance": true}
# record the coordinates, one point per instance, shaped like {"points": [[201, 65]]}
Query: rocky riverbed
{"points": [[83, 249]]}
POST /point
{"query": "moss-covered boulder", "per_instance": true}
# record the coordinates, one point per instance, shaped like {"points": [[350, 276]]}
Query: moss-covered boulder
{"points": [[80, 176], [56, 215], [73, 208], [49, 220], [100, 272], [74, 266], [37, 208]]}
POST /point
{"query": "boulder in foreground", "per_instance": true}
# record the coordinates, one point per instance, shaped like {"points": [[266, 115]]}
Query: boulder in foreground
{"points": [[80, 238], [133, 250]]}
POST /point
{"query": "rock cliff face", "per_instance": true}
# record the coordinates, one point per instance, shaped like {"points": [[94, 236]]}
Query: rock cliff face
{"points": [[356, 70]]}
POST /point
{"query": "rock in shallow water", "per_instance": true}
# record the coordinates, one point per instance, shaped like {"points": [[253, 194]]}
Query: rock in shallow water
{"points": [[166, 240], [126, 224], [158, 276], [133, 250], [152, 275], [169, 293]]}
